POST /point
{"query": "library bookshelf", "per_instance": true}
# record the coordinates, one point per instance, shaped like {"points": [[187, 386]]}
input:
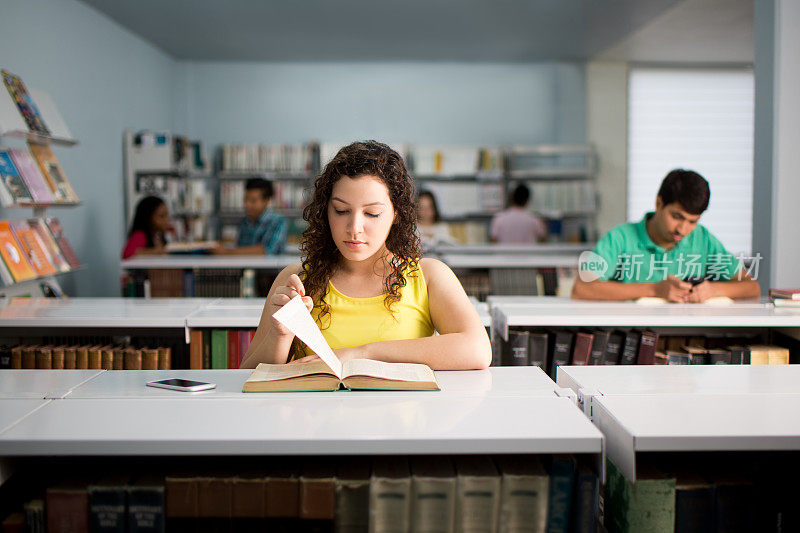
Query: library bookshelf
{"points": [[42, 126]]}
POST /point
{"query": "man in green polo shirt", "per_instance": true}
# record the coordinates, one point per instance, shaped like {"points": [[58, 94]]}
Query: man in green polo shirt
{"points": [[667, 254]]}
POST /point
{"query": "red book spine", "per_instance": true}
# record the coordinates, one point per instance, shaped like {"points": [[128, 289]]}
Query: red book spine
{"points": [[233, 348]]}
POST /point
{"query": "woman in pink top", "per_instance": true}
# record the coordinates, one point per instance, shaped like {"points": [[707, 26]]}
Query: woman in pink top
{"points": [[150, 222], [517, 225]]}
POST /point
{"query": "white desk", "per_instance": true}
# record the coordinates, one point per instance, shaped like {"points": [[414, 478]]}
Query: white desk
{"points": [[695, 422], [272, 262], [413, 423], [566, 313], [681, 379], [119, 384], [102, 312], [42, 384], [246, 313], [12, 410]]}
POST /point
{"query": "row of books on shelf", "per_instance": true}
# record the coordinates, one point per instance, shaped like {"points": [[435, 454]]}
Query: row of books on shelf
{"points": [[553, 197], [505, 493], [218, 348], [85, 357], [21, 114], [33, 177], [287, 158], [201, 283], [708, 492], [464, 198], [549, 349], [33, 248], [188, 197], [487, 162], [286, 195]]}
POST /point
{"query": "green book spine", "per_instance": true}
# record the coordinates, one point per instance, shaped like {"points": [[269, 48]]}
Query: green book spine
{"points": [[646, 505], [219, 349]]}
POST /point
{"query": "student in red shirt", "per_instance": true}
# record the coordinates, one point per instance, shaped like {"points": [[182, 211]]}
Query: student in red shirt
{"points": [[151, 221]]}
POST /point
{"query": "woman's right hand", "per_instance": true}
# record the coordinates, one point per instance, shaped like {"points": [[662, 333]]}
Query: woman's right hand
{"points": [[282, 296]]}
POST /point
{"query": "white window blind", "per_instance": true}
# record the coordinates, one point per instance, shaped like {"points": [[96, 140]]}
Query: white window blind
{"points": [[701, 120]]}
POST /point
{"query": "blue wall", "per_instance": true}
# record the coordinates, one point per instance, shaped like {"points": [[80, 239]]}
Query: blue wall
{"points": [[103, 79], [436, 103]]}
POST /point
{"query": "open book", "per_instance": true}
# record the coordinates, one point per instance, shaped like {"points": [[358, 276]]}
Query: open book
{"points": [[356, 374], [329, 373]]}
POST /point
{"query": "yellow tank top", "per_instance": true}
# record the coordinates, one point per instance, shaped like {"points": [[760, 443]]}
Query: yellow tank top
{"points": [[357, 321]]}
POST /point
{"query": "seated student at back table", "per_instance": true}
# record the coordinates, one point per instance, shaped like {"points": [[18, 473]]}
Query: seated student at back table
{"points": [[262, 230], [150, 223], [653, 257], [362, 277], [517, 225]]}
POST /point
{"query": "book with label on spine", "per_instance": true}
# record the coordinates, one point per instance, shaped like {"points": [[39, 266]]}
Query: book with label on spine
{"points": [[523, 493], [599, 344], [67, 507], [12, 187], [32, 176], [283, 497], [219, 349], [694, 503], [107, 504], [389, 495], [647, 348], [740, 355], [54, 225], [233, 349], [146, 502], [433, 494], [719, 357], [33, 248], [515, 352], [630, 348], [560, 350], [477, 493], [53, 173], [645, 505]]}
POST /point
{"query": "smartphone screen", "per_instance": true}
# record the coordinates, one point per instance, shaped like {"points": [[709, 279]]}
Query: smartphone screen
{"points": [[175, 382]]}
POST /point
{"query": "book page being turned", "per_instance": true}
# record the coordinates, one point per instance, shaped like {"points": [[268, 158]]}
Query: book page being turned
{"points": [[298, 320]]}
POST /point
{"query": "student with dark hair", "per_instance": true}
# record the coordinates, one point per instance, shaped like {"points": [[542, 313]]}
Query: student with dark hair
{"points": [[517, 225], [363, 279], [432, 231], [667, 254], [262, 231], [150, 223]]}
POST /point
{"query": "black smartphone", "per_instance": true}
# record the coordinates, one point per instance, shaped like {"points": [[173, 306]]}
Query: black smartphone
{"points": [[185, 385]]}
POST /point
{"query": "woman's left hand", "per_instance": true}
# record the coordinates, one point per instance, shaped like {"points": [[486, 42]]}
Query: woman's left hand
{"points": [[344, 354]]}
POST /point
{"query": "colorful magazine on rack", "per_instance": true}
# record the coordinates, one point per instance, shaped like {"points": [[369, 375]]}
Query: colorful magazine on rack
{"points": [[33, 248], [32, 176], [328, 373], [40, 228], [12, 254], [28, 110], [53, 173], [66, 248], [12, 189]]}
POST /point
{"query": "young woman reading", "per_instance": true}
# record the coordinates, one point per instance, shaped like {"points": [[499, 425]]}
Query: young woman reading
{"points": [[363, 278]]}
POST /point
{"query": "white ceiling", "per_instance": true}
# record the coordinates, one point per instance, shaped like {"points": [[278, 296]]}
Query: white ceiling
{"points": [[692, 31], [379, 30]]}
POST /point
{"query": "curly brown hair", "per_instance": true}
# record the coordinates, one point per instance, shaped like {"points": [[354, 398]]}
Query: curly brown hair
{"points": [[319, 251]]}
